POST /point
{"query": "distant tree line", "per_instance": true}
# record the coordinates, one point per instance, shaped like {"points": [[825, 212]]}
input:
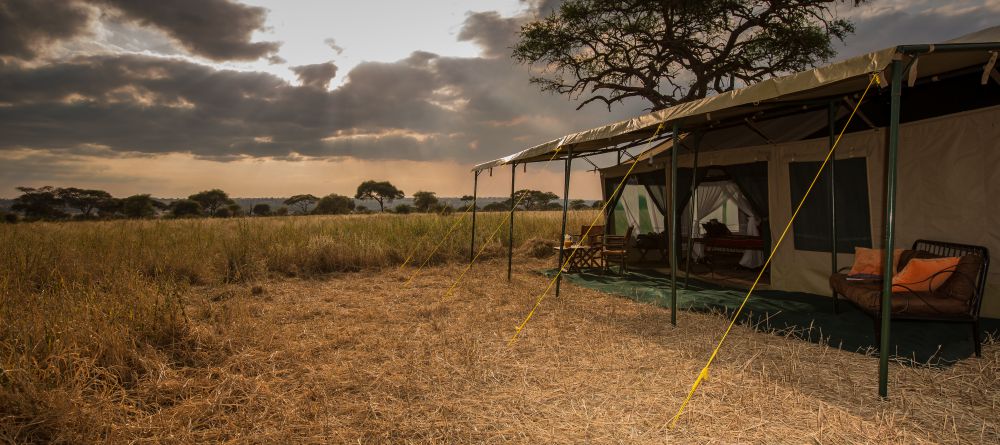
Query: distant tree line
{"points": [[70, 203]]}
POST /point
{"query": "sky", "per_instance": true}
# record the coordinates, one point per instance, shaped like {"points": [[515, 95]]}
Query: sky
{"points": [[270, 98]]}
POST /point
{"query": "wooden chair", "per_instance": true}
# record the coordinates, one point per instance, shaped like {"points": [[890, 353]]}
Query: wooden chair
{"points": [[615, 250], [594, 240]]}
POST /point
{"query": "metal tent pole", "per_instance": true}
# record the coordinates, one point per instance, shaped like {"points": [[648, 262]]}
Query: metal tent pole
{"points": [[562, 239], [475, 188], [673, 225], [694, 217], [510, 235], [890, 225], [831, 119]]}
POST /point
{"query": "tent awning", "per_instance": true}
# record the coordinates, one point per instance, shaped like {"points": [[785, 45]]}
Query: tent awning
{"points": [[842, 78]]}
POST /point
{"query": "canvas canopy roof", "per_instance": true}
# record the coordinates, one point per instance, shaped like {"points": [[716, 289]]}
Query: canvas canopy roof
{"points": [[976, 51]]}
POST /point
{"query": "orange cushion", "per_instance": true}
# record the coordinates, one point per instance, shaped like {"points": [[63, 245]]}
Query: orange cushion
{"points": [[924, 275], [869, 261]]}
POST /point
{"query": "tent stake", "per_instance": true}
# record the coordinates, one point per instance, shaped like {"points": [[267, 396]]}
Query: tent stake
{"points": [[562, 239], [673, 225], [890, 224], [510, 236], [831, 119], [475, 188], [694, 213]]}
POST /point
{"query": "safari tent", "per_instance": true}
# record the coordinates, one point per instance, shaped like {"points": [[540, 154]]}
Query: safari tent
{"points": [[919, 159]]}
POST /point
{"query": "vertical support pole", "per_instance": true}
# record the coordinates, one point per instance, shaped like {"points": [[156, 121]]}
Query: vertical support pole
{"points": [[890, 225], [475, 189], [832, 120], [673, 224], [562, 243], [694, 213], [510, 233]]}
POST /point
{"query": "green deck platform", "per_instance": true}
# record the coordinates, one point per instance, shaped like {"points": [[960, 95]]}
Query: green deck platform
{"points": [[810, 316]]}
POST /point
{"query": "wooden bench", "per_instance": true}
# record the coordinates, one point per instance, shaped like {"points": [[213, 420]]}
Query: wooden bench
{"points": [[957, 300]]}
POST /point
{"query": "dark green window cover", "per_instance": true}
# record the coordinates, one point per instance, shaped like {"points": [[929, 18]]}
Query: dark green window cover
{"points": [[811, 229]]}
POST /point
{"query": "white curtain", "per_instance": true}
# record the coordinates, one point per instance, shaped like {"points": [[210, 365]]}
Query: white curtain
{"points": [[707, 198], [751, 258]]}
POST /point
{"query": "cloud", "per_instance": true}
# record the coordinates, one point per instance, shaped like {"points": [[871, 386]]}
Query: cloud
{"points": [[493, 33], [423, 107], [29, 27], [333, 45], [219, 30], [891, 22], [216, 29], [317, 75]]}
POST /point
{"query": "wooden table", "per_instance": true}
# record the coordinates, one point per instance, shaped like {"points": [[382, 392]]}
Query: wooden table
{"points": [[580, 256]]}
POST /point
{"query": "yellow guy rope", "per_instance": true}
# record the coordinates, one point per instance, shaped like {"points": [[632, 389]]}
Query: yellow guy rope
{"points": [[704, 371], [438, 246], [490, 238], [552, 282]]}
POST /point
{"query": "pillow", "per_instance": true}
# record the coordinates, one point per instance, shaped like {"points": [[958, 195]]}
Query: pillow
{"points": [[715, 229], [924, 273], [909, 255], [964, 286], [869, 261]]}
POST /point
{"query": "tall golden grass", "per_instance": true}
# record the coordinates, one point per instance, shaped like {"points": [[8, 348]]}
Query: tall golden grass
{"points": [[90, 307]]}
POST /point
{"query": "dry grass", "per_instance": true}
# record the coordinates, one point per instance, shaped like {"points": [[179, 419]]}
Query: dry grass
{"points": [[358, 357]]}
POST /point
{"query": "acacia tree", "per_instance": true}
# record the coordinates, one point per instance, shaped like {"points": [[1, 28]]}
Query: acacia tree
{"points": [[141, 206], [671, 51], [84, 200], [40, 203], [424, 201], [379, 191], [212, 200], [301, 203], [534, 199], [334, 204]]}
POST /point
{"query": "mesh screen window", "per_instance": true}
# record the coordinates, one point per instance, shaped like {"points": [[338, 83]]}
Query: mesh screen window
{"points": [[811, 229]]}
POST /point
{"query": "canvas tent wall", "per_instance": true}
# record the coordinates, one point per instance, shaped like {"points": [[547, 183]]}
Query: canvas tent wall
{"points": [[948, 174], [961, 65]]}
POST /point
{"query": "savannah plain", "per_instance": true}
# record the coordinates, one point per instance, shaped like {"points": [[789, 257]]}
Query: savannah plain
{"points": [[305, 330]]}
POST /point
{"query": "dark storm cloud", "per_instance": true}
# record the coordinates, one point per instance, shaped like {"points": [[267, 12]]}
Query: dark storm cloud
{"points": [[27, 27], [493, 33], [317, 75], [216, 29], [424, 107]]}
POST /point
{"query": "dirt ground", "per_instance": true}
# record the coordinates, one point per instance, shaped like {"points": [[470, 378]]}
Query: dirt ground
{"points": [[363, 358]]}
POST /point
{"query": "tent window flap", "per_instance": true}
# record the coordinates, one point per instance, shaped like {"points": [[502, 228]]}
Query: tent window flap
{"points": [[811, 229]]}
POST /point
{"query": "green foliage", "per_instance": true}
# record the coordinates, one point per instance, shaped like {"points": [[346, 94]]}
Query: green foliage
{"points": [[212, 201], [185, 208], [235, 210], [282, 211], [140, 206], [300, 203], [334, 204], [83, 200], [261, 209], [578, 204], [500, 206], [534, 199], [667, 52], [39, 203], [424, 201], [379, 191], [403, 209]]}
